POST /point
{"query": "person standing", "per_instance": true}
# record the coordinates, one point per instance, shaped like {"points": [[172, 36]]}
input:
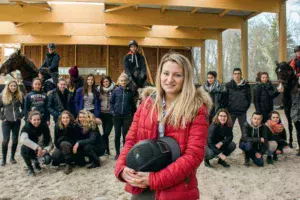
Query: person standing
{"points": [[11, 113], [238, 98], [295, 63], [264, 93], [105, 89], [52, 62], [217, 93]]}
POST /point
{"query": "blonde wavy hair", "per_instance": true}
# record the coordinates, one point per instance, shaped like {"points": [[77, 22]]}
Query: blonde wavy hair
{"points": [[186, 106], [72, 120], [8, 96], [89, 120]]}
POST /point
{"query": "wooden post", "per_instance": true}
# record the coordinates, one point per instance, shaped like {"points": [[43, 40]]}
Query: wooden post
{"points": [[107, 60], [220, 57], [75, 55], [157, 58], [244, 43], [23, 49], [202, 79], [282, 32], [2, 55], [42, 55], [147, 66]]}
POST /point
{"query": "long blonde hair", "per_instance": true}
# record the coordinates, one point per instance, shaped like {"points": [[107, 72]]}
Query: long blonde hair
{"points": [[8, 96], [59, 121], [186, 105], [89, 120]]}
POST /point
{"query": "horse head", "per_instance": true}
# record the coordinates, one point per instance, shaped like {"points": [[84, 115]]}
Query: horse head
{"points": [[17, 61], [284, 72]]}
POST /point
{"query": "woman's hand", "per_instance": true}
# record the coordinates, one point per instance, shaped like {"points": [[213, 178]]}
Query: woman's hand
{"points": [[39, 152], [75, 147], [98, 121], [131, 177], [144, 178]]}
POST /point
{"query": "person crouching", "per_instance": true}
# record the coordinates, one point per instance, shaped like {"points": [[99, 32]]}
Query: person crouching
{"points": [[254, 140], [36, 140], [220, 136]]}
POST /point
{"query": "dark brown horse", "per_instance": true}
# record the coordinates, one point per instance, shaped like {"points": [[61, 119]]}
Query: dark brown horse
{"points": [[288, 81], [19, 61]]}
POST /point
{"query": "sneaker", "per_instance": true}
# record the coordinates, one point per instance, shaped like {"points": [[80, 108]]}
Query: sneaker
{"points": [[275, 157], [247, 162], [223, 163], [270, 160], [31, 172], [37, 166], [3, 163], [207, 163], [68, 169], [94, 165]]}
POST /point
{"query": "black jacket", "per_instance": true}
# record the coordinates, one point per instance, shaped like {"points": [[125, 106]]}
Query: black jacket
{"points": [[217, 93], [280, 138], [263, 97], [13, 111], [58, 102], [92, 137], [252, 135], [219, 133], [48, 85], [238, 97], [70, 134], [135, 68], [51, 62], [122, 102], [35, 132], [37, 100]]}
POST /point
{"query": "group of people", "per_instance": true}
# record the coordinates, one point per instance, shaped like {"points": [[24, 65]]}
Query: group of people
{"points": [[264, 133], [77, 108], [199, 119]]}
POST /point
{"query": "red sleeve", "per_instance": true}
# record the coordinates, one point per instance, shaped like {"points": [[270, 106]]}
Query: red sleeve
{"points": [[185, 165], [131, 140]]}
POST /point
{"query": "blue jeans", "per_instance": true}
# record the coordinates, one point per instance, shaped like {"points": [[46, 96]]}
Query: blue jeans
{"points": [[250, 153]]}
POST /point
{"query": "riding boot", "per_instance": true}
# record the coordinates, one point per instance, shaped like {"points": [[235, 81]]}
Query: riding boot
{"points": [[13, 152], [4, 154]]}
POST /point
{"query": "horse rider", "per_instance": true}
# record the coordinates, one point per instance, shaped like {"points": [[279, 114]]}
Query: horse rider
{"points": [[52, 61], [295, 63], [135, 67]]}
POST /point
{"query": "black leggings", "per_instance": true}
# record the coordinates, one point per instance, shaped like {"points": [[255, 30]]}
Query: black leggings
{"points": [[94, 152], [8, 127], [107, 125], [122, 124], [65, 155], [28, 155]]}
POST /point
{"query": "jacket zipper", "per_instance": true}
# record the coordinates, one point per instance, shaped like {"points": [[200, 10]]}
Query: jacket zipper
{"points": [[123, 102], [13, 111]]}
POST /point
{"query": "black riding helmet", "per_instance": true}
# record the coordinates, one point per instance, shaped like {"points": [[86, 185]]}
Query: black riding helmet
{"points": [[153, 155], [133, 42], [297, 48], [51, 46]]}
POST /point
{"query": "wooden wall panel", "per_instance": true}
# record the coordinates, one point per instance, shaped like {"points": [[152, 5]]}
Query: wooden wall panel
{"points": [[163, 51], [116, 58], [91, 55], [66, 53], [34, 53], [151, 56]]}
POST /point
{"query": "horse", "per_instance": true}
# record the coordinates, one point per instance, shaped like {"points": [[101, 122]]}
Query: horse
{"points": [[19, 61], [288, 81]]}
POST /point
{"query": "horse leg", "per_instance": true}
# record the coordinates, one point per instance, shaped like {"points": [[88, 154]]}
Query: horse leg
{"points": [[287, 112]]}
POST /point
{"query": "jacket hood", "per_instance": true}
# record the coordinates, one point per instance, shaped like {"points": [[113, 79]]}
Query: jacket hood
{"points": [[201, 93]]}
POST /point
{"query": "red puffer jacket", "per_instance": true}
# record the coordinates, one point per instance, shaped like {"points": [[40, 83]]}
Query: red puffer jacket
{"points": [[177, 181]]}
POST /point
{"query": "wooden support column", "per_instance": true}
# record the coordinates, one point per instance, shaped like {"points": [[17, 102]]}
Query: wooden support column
{"points": [[244, 43], [75, 55], [147, 66], [220, 57], [202, 79], [107, 60], [42, 55], [2, 55], [282, 32]]}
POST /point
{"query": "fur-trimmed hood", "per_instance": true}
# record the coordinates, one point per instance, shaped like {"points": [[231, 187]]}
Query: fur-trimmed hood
{"points": [[201, 93]]}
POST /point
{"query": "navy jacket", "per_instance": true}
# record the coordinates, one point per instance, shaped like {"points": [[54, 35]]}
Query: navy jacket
{"points": [[51, 62], [122, 102], [79, 102]]}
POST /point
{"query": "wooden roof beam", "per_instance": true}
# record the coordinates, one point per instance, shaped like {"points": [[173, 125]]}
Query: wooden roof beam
{"points": [[195, 10], [85, 13], [251, 15], [119, 8], [18, 24], [246, 5], [44, 5], [163, 9], [222, 14], [145, 27], [100, 40]]}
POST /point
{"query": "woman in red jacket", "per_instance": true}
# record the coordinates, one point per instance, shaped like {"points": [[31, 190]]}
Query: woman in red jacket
{"points": [[178, 110]]}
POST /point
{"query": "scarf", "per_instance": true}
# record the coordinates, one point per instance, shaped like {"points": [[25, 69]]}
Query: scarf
{"points": [[274, 127], [293, 63], [215, 87]]}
